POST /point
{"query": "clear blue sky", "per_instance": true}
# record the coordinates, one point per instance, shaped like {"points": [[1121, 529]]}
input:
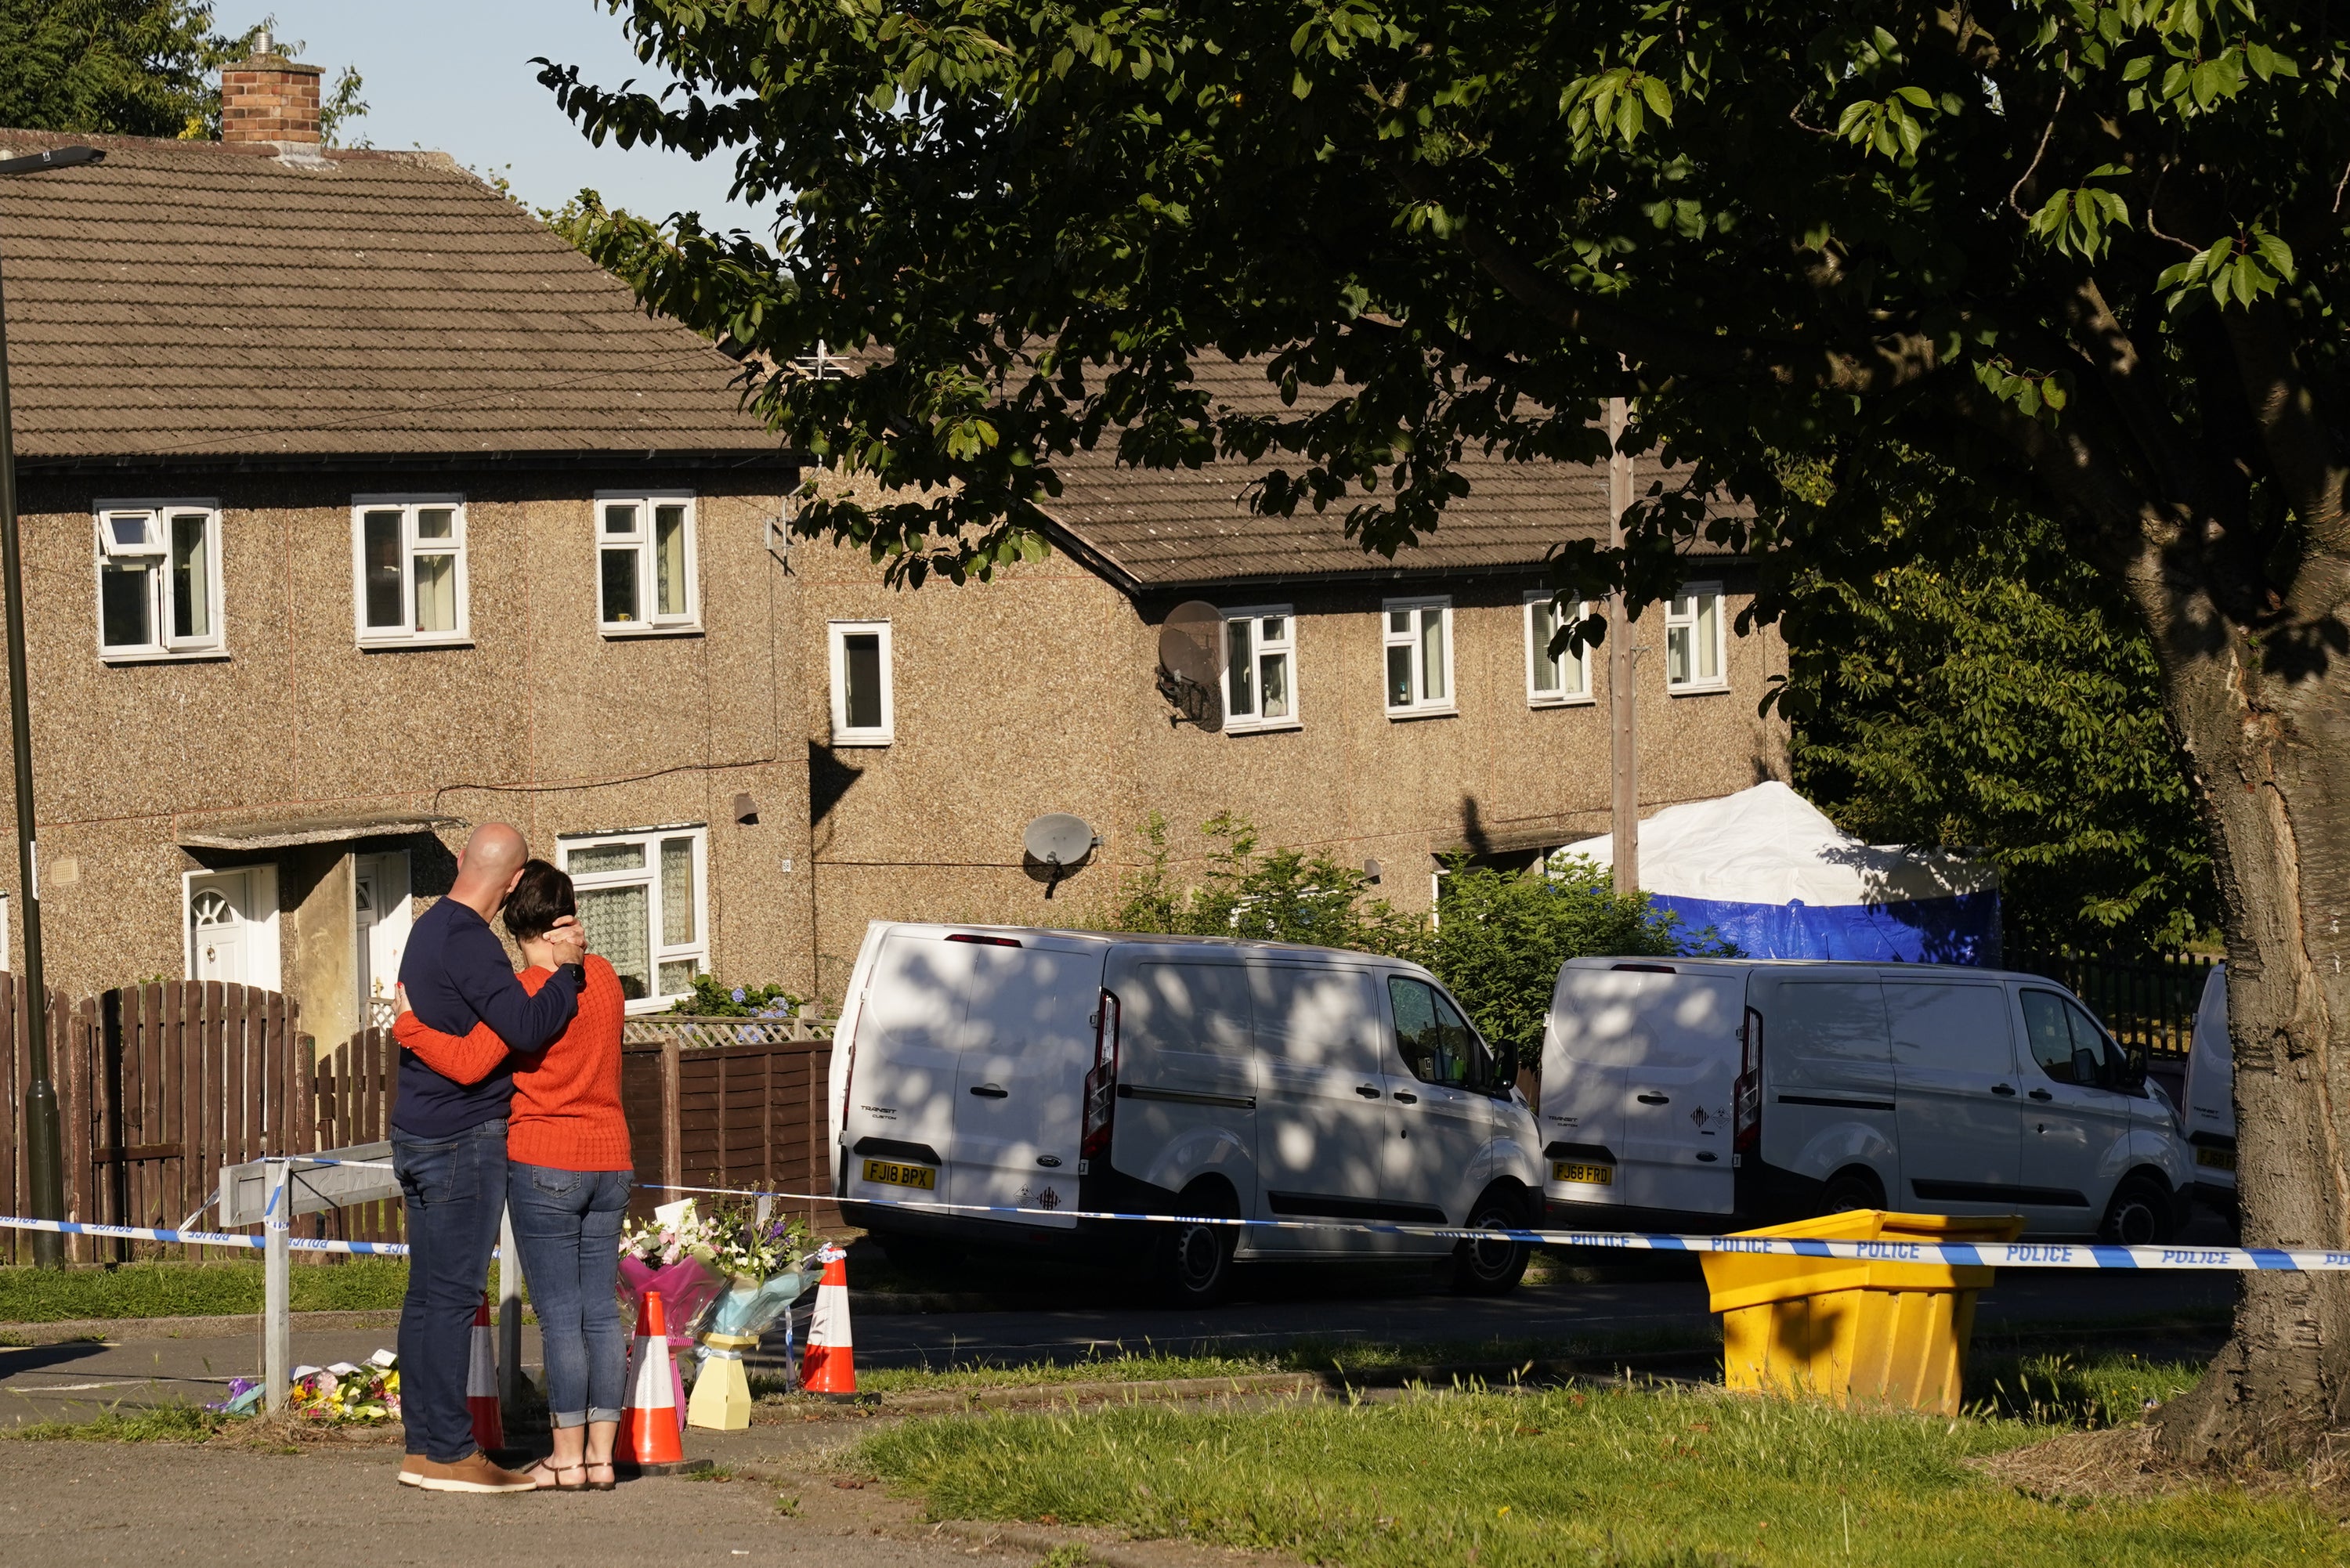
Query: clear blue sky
{"points": [[457, 77]]}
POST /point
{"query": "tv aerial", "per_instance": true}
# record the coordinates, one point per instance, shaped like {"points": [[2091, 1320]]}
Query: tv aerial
{"points": [[1191, 664], [1057, 844]]}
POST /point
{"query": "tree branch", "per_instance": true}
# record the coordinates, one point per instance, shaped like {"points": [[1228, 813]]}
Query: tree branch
{"points": [[2033, 167]]}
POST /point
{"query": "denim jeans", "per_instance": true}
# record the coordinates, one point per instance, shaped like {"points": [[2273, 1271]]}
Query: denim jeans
{"points": [[567, 1224], [456, 1189]]}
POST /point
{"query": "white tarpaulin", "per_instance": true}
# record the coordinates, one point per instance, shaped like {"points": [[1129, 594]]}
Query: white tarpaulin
{"points": [[1768, 870]]}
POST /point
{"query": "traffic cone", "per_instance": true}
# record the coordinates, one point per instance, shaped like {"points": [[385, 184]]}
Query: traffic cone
{"points": [[829, 1366], [482, 1383], [648, 1413]]}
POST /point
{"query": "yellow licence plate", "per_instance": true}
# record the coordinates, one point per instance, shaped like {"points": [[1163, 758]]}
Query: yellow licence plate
{"points": [[890, 1173], [1589, 1175], [2216, 1158]]}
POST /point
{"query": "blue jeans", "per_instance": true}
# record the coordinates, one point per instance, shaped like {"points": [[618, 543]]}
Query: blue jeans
{"points": [[567, 1224], [456, 1189]]}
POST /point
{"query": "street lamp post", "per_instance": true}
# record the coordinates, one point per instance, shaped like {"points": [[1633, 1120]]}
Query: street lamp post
{"points": [[44, 1158]]}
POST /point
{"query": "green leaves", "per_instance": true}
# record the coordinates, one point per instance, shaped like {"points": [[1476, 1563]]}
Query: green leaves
{"points": [[2028, 392], [1888, 125], [2238, 269], [1617, 101], [2076, 222]]}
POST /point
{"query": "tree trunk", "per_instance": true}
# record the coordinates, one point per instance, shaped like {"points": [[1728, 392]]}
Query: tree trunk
{"points": [[2266, 718]]}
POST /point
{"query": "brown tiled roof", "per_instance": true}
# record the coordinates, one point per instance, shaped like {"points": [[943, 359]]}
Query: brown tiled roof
{"points": [[1161, 529], [191, 300]]}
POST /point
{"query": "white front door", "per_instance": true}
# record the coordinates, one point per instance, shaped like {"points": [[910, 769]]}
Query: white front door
{"points": [[232, 926], [380, 917]]}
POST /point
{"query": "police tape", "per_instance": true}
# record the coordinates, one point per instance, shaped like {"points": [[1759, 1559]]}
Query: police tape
{"points": [[1962, 1254], [202, 1238]]}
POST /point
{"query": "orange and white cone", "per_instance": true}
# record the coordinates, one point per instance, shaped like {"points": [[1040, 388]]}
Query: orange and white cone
{"points": [[649, 1414], [482, 1383], [829, 1366]]}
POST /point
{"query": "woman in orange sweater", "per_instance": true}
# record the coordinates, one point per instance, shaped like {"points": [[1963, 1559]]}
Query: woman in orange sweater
{"points": [[567, 1178]]}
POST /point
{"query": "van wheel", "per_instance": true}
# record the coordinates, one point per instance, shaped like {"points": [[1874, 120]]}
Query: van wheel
{"points": [[1192, 1265], [1491, 1268], [1848, 1189], [2142, 1214]]}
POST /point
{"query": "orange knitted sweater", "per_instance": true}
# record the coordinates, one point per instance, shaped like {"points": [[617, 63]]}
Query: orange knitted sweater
{"points": [[566, 1105]]}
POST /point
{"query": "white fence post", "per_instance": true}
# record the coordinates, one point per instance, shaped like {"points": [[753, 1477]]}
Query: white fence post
{"points": [[277, 1290], [509, 1317]]}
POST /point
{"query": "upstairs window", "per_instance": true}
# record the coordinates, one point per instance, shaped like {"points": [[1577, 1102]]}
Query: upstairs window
{"points": [[1419, 639], [1694, 641], [643, 908], [645, 567], [408, 558], [1260, 669], [159, 583], [864, 714], [1554, 679]]}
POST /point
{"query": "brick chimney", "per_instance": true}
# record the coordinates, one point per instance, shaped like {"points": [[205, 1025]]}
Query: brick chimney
{"points": [[270, 99]]}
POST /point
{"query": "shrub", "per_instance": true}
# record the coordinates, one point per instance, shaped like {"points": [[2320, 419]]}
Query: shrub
{"points": [[712, 999]]}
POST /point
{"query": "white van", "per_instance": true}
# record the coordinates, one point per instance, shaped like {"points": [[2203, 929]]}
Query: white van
{"points": [[1037, 1069], [1716, 1094], [2210, 1096]]}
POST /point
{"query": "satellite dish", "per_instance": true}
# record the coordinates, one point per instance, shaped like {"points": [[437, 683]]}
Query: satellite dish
{"points": [[1192, 663], [1056, 845]]}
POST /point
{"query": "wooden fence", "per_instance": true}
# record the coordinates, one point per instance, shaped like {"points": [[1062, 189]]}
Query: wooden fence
{"points": [[159, 1086], [727, 1102]]}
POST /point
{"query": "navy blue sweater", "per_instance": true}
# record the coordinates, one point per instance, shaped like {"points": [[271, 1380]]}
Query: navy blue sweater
{"points": [[457, 976]]}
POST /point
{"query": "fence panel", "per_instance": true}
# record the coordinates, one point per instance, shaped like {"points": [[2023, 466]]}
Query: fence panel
{"points": [[2149, 1006], [729, 1102]]}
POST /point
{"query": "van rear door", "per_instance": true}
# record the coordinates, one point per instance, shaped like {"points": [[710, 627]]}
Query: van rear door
{"points": [[1027, 1040], [898, 1120], [1587, 1042], [1677, 1092]]}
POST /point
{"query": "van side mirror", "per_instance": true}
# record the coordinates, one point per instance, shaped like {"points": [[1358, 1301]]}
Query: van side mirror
{"points": [[1504, 1067]]}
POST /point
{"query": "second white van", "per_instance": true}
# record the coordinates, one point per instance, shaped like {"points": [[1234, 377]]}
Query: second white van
{"points": [[1716, 1094], [998, 1068]]}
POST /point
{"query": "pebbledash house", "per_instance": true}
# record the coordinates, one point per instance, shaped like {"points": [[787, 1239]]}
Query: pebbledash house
{"points": [[359, 508]]}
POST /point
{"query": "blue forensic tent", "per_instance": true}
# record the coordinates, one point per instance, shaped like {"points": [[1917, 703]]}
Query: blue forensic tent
{"points": [[1769, 872]]}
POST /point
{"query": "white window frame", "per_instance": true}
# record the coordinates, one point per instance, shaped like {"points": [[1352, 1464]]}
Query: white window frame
{"points": [[405, 634], [160, 600], [265, 958], [1261, 649], [1679, 623], [1421, 706], [648, 876], [654, 624], [1571, 671], [837, 634]]}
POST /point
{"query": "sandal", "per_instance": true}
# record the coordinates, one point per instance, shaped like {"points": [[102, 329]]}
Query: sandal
{"points": [[611, 1477], [550, 1476]]}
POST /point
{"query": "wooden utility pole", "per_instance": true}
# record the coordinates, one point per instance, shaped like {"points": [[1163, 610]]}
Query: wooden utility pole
{"points": [[1623, 737]]}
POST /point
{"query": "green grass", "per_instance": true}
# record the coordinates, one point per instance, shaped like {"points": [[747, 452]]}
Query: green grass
{"points": [[161, 1423], [195, 1290], [1348, 1358], [1605, 1476], [2104, 1391]]}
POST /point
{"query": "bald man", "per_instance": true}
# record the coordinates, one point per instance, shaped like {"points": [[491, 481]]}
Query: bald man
{"points": [[449, 1149]]}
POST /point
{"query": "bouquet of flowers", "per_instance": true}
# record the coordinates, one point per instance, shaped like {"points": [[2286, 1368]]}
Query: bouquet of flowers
{"points": [[365, 1393], [676, 1253]]}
